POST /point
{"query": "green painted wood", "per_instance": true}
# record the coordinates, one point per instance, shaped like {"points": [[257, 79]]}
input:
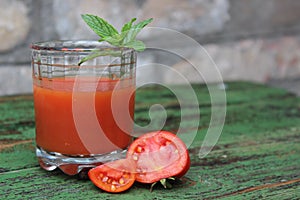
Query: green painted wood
{"points": [[257, 156]]}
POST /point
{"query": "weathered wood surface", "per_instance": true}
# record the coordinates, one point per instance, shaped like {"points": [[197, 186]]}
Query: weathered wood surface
{"points": [[257, 156]]}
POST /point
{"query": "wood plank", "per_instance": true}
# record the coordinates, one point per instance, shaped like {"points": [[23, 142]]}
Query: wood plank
{"points": [[257, 156]]}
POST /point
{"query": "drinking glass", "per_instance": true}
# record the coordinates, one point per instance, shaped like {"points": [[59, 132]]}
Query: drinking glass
{"points": [[84, 103]]}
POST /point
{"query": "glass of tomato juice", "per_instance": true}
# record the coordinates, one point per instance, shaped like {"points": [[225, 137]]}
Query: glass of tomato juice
{"points": [[84, 103]]}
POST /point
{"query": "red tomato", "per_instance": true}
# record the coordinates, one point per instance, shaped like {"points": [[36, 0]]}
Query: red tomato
{"points": [[159, 155], [116, 176]]}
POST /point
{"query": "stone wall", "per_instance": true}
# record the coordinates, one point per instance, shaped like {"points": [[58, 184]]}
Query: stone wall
{"points": [[248, 39]]}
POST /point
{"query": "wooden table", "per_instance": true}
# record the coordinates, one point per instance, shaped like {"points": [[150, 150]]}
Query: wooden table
{"points": [[256, 157]]}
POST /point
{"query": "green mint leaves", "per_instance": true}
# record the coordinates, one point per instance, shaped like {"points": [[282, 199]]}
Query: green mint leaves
{"points": [[108, 33], [99, 26]]}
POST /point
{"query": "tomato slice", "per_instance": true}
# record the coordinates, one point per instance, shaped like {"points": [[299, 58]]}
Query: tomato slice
{"points": [[159, 155], [115, 176]]}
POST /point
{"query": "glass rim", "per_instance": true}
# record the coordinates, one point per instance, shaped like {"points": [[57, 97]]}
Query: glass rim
{"points": [[76, 46]]}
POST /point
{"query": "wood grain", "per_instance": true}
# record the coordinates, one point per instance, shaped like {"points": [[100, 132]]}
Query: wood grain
{"points": [[256, 157]]}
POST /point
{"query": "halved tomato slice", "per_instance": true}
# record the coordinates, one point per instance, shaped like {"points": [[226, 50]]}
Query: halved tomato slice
{"points": [[159, 155], [115, 176]]}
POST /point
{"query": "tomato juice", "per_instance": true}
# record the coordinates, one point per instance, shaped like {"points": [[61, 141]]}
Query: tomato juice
{"points": [[57, 127]]}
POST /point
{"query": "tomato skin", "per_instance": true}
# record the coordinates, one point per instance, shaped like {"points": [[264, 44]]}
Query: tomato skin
{"points": [[186, 169], [116, 176], [159, 155]]}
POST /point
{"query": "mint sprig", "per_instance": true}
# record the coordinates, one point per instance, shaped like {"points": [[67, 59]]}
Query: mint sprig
{"points": [[99, 25], [108, 33]]}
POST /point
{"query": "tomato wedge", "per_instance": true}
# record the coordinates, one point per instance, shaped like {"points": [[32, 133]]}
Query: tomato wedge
{"points": [[159, 155], [116, 176]]}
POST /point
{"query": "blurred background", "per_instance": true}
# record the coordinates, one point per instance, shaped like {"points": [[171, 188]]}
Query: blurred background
{"points": [[250, 40]]}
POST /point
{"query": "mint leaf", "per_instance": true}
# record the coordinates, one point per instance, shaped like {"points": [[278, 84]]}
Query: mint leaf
{"points": [[97, 53], [89, 57], [108, 33], [144, 23], [128, 25], [126, 30], [115, 40], [99, 25], [136, 44], [135, 29], [138, 27]]}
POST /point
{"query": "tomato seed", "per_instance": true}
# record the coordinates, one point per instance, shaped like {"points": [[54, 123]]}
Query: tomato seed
{"points": [[113, 188], [139, 149], [160, 140], [114, 182], [100, 175], [135, 157], [121, 181], [105, 179]]}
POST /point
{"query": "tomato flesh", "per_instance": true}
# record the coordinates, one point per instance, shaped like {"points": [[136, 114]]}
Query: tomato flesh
{"points": [[116, 176], [159, 155]]}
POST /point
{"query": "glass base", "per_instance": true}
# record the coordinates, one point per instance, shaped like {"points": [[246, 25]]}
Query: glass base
{"points": [[72, 165]]}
